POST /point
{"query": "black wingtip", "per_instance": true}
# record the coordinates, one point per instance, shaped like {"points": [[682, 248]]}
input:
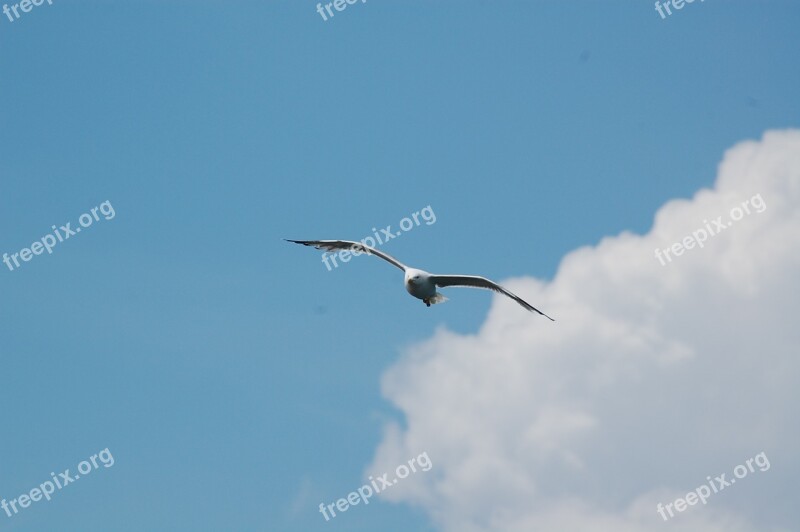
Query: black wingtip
{"points": [[543, 314]]}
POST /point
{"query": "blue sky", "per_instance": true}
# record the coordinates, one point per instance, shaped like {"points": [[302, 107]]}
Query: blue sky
{"points": [[235, 380]]}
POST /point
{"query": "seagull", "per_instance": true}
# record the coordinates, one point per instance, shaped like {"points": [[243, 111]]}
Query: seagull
{"points": [[419, 283]]}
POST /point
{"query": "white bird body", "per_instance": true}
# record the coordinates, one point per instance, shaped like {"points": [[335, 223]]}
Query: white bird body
{"points": [[419, 283]]}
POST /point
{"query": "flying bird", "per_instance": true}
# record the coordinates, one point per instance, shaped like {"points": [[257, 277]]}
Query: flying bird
{"points": [[419, 283]]}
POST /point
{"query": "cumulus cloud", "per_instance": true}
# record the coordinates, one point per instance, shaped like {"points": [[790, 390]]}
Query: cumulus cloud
{"points": [[652, 378]]}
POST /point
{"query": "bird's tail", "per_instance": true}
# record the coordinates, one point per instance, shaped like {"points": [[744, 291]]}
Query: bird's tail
{"points": [[437, 298]]}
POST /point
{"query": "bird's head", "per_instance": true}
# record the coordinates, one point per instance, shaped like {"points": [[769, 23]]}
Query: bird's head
{"points": [[412, 278]]}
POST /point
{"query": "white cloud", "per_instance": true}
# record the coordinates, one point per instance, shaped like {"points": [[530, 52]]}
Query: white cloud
{"points": [[652, 377]]}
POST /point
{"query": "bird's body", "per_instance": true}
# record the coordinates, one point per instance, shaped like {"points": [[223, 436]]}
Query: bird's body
{"points": [[419, 283]]}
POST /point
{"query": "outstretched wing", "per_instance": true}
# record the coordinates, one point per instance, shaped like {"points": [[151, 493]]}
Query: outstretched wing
{"points": [[339, 245], [474, 281]]}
